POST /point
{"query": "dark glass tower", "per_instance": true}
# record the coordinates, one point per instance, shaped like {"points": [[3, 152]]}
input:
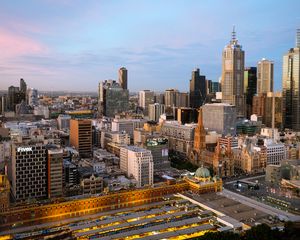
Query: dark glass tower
{"points": [[250, 85], [197, 89]]}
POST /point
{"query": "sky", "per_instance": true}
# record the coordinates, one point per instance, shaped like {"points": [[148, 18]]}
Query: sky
{"points": [[74, 44]]}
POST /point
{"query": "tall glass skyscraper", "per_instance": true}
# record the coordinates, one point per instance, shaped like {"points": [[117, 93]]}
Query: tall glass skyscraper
{"points": [[232, 82], [290, 87]]}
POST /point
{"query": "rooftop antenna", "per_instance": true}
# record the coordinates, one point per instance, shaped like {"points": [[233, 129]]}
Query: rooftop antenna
{"points": [[233, 34]]}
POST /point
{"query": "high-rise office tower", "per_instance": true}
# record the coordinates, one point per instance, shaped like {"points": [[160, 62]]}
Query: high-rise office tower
{"points": [[250, 85], [81, 136], [123, 77], [55, 173], [265, 76], [290, 87], [13, 97], [146, 97], [32, 97], [197, 89], [113, 99], [23, 86], [215, 87], [170, 97], [155, 110], [29, 171], [233, 60]]}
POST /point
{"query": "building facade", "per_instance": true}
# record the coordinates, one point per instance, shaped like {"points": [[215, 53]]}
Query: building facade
{"points": [[290, 87], [81, 136], [113, 99], [29, 172], [232, 82], [146, 97], [123, 77], [198, 89], [220, 117], [55, 173], [155, 110], [265, 76], [139, 164], [250, 86]]}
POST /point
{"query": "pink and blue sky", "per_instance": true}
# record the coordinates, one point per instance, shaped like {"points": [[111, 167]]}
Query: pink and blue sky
{"points": [[74, 44]]}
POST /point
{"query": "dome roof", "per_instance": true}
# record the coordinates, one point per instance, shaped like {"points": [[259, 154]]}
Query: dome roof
{"points": [[202, 173]]}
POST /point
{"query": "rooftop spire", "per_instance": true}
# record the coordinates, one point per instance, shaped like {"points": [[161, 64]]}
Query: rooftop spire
{"points": [[233, 34], [298, 38]]}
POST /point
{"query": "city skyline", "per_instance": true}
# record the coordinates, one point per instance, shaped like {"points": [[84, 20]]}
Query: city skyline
{"points": [[60, 45]]}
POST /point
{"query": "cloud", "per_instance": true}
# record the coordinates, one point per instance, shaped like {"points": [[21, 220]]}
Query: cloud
{"points": [[13, 45]]}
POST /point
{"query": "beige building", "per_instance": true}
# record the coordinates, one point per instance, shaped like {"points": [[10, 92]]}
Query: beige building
{"points": [[137, 163], [146, 97], [91, 184], [265, 76], [123, 78], [233, 60]]}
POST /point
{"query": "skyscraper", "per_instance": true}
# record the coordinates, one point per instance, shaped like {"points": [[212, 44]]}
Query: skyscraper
{"points": [[32, 97], [155, 110], [81, 136], [250, 85], [146, 97], [123, 77], [29, 171], [265, 76], [233, 60], [290, 87], [23, 86], [197, 89], [113, 99]]}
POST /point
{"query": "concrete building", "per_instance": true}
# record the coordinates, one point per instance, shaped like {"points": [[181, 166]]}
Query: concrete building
{"points": [[233, 76], [290, 87], [146, 97], [187, 115], [113, 99], [265, 76], [55, 173], [41, 110], [81, 136], [157, 144], [29, 171], [114, 137], [123, 78], [32, 97], [180, 137], [126, 125], [276, 152], [155, 110], [91, 184], [70, 175], [63, 122], [198, 89], [220, 117], [139, 164], [170, 97]]}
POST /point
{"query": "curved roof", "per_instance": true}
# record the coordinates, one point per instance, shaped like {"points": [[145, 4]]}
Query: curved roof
{"points": [[202, 173]]}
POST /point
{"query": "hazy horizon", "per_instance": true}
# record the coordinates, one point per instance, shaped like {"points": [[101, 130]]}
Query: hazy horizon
{"points": [[66, 44]]}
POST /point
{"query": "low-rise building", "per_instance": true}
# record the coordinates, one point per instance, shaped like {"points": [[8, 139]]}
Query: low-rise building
{"points": [[91, 184]]}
